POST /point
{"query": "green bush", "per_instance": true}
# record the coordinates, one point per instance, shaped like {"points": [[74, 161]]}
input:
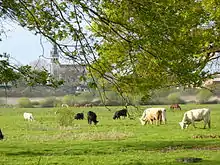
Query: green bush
{"points": [[156, 101], [84, 98], [69, 100], [24, 102], [174, 98], [50, 102], [34, 103], [203, 96], [113, 98], [65, 117]]}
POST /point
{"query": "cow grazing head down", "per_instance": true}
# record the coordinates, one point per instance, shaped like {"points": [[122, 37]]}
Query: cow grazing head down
{"points": [[28, 116], [183, 125], [120, 113], [195, 115], [92, 117], [79, 116]]}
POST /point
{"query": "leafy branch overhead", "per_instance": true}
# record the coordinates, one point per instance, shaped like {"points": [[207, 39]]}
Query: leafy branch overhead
{"points": [[10, 74], [137, 46]]}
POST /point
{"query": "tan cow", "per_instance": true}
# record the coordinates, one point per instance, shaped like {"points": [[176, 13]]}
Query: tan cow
{"points": [[151, 114]]}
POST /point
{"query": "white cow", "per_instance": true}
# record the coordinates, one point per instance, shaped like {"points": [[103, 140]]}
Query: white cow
{"points": [[152, 111], [65, 105], [28, 116], [193, 115]]}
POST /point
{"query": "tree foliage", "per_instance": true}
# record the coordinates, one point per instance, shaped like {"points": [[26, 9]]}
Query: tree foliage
{"points": [[136, 46], [10, 73]]}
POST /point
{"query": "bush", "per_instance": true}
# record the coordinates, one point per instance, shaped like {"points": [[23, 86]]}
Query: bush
{"points": [[203, 96], [24, 102], [174, 98], [156, 101], [65, 117], [34, 103], [50, 102], [85, 98], [69, 100]]}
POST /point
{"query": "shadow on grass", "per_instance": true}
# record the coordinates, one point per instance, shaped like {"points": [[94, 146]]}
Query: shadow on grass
{"points": [[112, 147]]}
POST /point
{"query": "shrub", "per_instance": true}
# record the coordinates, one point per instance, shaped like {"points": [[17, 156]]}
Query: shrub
{"points": [[34, 103], [65, 117], [69, 100], [174, 98], [203, 96], [156, 101], [24, 102], [84, 98], [50, 102]]}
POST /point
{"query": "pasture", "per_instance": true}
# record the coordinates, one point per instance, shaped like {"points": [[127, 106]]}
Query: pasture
{"points": [[110, 142]]}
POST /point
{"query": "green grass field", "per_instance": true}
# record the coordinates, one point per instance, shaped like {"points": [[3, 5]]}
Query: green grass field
{"points": [[118, 142]]}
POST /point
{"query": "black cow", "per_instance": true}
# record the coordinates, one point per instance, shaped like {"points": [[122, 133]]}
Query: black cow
{"points": [[120, 113], [79, 116], [1, 135], [92, 118]]}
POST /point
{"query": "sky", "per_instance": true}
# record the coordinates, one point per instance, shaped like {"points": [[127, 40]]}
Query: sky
{"points": [[23, 45]]}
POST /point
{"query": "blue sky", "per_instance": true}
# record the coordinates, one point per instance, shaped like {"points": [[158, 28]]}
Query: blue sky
{"points": [[23, 45]]}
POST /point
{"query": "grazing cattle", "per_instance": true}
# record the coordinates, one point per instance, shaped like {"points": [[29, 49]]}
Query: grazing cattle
{"points": [[120, 113], [175, 106], [28, 116], [92, 117], [148, 110], [79, 116], [151, 114], [193, 115], [1, 135]]}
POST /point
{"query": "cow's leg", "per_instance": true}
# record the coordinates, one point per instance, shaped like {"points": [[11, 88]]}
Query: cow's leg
{"points": [[89, 121], [160, 121], [209, 124], [193, 123]]}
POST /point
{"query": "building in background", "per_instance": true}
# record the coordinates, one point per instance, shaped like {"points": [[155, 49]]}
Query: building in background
{"points": [[71, 73]]}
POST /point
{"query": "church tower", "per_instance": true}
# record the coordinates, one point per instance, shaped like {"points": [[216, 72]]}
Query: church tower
{"points": [[54, 60]]}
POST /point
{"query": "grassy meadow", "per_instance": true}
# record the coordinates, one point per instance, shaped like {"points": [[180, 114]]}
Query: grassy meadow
{"points": [[111, 142]]}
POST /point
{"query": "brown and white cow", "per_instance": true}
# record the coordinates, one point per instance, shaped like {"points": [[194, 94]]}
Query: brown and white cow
{"points": [[151, 114]]}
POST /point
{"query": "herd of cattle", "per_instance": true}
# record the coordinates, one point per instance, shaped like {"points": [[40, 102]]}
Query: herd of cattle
{"points": [[149, 116]]}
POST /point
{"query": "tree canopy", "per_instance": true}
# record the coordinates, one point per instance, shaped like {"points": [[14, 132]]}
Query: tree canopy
{"points": [[136, 46]]}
